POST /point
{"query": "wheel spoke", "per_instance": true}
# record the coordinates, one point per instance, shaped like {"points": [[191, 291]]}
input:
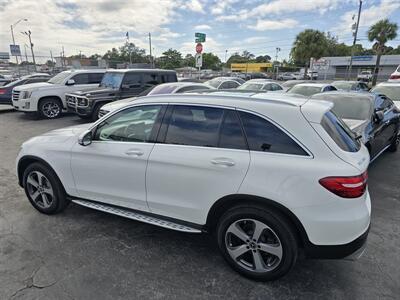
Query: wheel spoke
{"points": [[275, 250], [238, 232], [35, 195], [32, 181], [238, 251], [48, 190], [46, 202], [258, 229], [258, 261]]}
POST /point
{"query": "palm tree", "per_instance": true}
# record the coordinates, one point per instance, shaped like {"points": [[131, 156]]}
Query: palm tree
{"points": [[381, 32]]}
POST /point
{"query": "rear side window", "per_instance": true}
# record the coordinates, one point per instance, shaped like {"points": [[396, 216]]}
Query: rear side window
{"points": [[150, 79], [194, 126], [340, 133], [231, 135], [132, 79], [95, 78], [168, 78], [264, 136]]}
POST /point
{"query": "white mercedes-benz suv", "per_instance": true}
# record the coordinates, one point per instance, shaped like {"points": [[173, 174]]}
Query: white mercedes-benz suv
{"points": [[48, 98], [268, 175]]}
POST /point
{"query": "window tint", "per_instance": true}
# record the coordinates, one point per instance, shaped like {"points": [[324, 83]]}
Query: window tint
{"points": [[275, 87], [192, 88], [132, 79], [340, 133], [81, 78], [225, 85], [150, 79], [231, 135], [194, 125], [168, 78], [95, 77], [233, 84], [267, 87], [265, 136], [130, 125]]}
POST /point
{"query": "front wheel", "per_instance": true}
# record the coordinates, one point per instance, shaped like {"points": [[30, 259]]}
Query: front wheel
{"points": [[50, 108], [43, 189], [257, 243]]}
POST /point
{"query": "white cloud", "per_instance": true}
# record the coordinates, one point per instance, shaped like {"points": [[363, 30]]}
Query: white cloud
{"points": [[369, 15], [220, 6], [263, 25], [203, 27], [194, 5], [90, 26]]}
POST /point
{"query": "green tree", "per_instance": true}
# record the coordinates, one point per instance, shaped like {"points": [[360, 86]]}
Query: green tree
{"points": [[262, 59], [170, 59], [381, 32], [247, 55], [308, 43], [235, 58], [211, 61], [130, 53], [50, 63], [189, 61]]}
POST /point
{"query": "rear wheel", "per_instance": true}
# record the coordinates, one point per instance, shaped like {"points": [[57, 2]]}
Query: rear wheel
{"points": [[44, 189], [50, 108], [256, 242], [95, 114]]}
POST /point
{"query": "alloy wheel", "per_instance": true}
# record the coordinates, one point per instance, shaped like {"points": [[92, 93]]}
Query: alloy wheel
{"points": [[40, 189], [51, 110], [253, 245]]}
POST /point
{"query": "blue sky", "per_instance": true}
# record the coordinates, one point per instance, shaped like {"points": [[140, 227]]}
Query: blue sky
{"points": [[93, 26]]}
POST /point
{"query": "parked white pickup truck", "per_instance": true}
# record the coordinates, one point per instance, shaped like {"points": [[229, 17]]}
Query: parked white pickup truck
{"points": [[48, 98], [364, 76]]}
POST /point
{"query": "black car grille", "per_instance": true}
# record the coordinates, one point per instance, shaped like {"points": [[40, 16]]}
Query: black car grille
{"points": [[15, 95]]}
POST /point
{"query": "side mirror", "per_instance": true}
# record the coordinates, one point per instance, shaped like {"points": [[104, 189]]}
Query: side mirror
{"points": [[70, 82], [85, 139], [378, 116]]}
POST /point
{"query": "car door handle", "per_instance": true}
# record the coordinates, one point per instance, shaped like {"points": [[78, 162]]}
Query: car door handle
{"points": [[223, 162], [134, 152]]}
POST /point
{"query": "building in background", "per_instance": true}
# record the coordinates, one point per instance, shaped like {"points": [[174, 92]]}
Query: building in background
{"points": [[336, 67], [250, 67]]}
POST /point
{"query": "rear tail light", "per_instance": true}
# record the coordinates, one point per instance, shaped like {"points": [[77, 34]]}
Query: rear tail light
{"points": [[394, 76], [2, 91], [346, 187]]}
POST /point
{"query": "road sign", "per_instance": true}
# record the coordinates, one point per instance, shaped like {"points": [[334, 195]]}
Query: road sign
{"points": [[15, 50], [199, 48], [200, 37], [199, 60], [320, 64]]}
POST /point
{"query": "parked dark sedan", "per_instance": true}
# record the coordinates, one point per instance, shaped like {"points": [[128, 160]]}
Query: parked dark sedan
{"points": [[6, 90], [372, 117]]}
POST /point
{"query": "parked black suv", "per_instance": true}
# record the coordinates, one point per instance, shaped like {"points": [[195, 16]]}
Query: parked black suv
{"points": [[116, 85]]}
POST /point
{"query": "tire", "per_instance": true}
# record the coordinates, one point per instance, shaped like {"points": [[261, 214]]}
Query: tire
{"points": [[95, 114], [44, 190], [277, 236], [50, 108], [395, 143]]}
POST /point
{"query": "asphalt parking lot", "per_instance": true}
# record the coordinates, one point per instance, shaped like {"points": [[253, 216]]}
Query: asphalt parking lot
{"points": [[86, 254]]}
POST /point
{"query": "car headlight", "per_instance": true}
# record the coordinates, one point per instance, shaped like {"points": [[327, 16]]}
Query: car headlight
{"points": [[26, 94], [82, 102]]}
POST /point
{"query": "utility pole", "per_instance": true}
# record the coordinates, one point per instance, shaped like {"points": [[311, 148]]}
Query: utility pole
{"points": [[26, 56], [354, 41], [28, 33], [226, 52], [151, 57], [276, 61], [52, 61]]}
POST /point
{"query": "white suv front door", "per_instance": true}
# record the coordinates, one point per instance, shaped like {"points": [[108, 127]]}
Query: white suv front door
{"points": [[112, 168], [202, 157]]}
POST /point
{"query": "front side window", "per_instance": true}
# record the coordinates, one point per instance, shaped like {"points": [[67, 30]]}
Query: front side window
{"points": [[264, 136], [194, 126], [81, 78], [133, 124]]}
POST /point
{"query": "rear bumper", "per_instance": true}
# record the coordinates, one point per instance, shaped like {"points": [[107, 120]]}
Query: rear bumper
{"points": [[352, 250]]}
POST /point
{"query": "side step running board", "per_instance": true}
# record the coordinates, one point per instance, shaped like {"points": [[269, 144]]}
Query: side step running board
{"points": [[135, 215]]}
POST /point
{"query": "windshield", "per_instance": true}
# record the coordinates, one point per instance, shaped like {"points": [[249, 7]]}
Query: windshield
{"points": [[213, 82], [393, 92], [59, 78], [343, 85], [112, 80], [305, 90], [251, 86], [162, 89], [349, 106]]}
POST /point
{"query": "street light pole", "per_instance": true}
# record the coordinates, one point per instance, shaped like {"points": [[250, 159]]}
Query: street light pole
{"points": [[12, 34], [354, 41]]}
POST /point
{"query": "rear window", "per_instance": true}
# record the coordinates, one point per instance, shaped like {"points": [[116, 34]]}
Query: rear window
{"points": [[340, 133]]}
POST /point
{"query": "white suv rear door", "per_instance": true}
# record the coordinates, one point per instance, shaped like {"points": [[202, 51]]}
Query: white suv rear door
{"points": [[201, 156]]}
